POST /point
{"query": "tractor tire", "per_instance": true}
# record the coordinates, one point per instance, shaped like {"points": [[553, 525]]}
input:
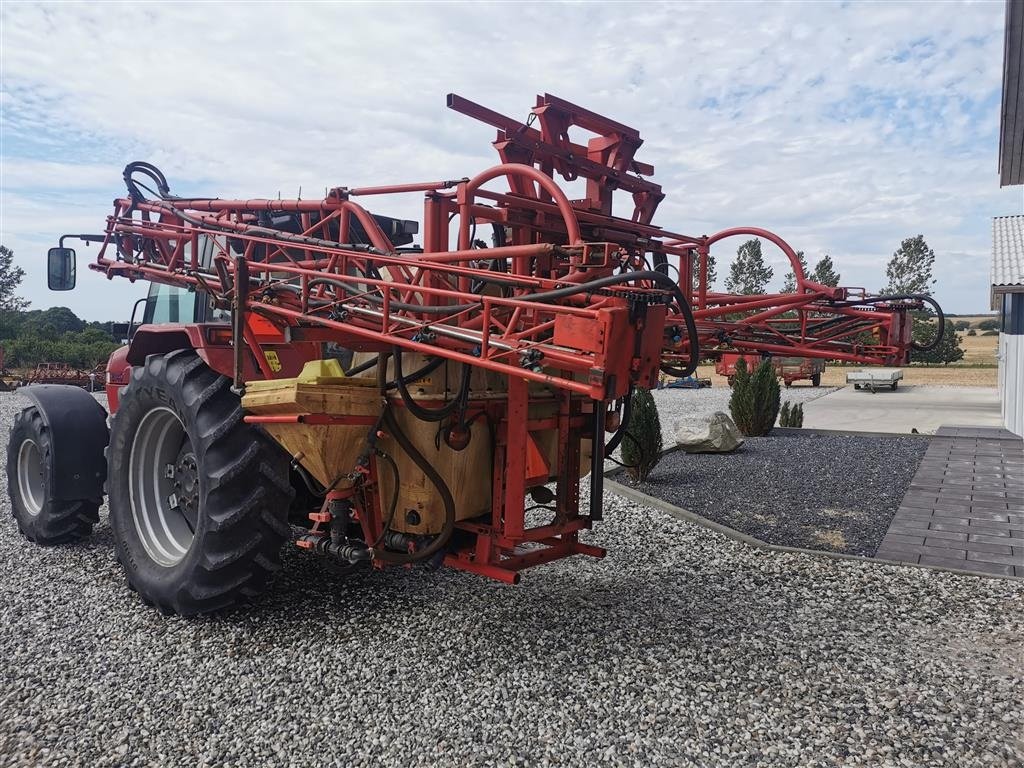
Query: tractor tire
{"points": [[816, 380], [42, 519], [198, 498]]}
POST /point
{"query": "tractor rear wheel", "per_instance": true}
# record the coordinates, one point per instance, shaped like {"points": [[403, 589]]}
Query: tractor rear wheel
{"points": [[41, 518], [198, 498]]}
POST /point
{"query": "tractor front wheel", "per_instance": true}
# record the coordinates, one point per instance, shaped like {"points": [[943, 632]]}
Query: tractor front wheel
{"points": [[198, 498]]}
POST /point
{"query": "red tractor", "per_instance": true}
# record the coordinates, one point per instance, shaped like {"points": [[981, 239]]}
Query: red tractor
{"points": [[306, 371]]}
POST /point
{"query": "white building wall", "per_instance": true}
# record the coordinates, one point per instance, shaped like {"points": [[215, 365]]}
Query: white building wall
{"points": [[1011, 380]]}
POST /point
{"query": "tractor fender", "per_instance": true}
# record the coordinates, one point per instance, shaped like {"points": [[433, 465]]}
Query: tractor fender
{"points": [[79, 436]]}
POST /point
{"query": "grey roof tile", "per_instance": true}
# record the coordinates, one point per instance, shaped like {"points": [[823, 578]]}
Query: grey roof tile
{"points": [[1008, 250]]}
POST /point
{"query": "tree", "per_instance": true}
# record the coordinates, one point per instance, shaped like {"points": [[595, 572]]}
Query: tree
{"points": [[948, 349], [910, 268], [695, 269], [789, 284], [825, 272], [961, 325], [989, 325], [748, 274], [641, 449], [10, 278]]}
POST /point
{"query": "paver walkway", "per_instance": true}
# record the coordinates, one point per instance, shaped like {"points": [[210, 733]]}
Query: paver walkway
{"points": [[965, 505]]}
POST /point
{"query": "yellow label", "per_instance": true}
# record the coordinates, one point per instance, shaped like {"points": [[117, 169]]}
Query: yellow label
{"points": [[273, 360]]}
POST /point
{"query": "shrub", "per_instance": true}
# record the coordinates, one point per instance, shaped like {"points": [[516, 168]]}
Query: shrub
{"points": [[989, 325], [990, 333], [960, 325], [641, 448], [971, 332], [754, 403], [791, 416]]}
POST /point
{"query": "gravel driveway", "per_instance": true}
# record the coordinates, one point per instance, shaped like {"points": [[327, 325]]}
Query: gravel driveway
{"points": [[680, 648]]}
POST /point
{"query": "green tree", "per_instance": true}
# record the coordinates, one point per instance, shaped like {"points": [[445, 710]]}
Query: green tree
{"points": [[748, 274], [695, 269], [910, 268], [10, 278], [949, 348], [989, 325], [789, 283], [641, 448], [825, 272]]}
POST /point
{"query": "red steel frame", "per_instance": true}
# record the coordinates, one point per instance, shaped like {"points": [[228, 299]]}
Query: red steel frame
{"points": [[588, 349]]}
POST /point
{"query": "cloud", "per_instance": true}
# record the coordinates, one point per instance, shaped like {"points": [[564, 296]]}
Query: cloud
{"points": [[844, 128]]}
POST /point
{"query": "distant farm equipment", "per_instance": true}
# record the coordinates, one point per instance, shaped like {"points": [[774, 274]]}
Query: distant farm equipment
{"points": [[789, 369], [685, 382]]}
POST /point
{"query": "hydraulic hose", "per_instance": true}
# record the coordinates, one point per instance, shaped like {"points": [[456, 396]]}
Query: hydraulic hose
{"points": [[627, 411], [448, 527], [924, 297], [430, 414]]}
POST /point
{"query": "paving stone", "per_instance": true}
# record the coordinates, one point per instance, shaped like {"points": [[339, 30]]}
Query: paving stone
{"points": [[903, 538], [993, 557], [1010, 541]]}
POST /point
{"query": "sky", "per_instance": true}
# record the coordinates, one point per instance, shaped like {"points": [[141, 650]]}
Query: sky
{"points": [[843, 127]]}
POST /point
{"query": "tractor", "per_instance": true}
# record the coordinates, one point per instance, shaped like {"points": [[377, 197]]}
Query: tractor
{"points": [[315, 372]]}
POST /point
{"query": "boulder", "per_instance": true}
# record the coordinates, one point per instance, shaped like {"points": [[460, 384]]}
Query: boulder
{"points": [[719, 435]]}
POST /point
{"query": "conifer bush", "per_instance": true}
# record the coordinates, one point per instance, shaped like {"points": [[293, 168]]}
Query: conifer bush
{"points": [[641, 447], [754, 404]]}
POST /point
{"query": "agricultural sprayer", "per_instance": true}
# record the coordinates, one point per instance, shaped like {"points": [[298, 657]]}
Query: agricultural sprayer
{"points": [[304, 371]]}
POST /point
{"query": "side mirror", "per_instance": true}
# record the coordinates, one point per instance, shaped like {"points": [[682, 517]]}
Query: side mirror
{"points": [[60, 269]]}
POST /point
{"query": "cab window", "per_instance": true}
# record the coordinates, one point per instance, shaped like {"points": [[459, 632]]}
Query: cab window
{"points": [[169, 304]]}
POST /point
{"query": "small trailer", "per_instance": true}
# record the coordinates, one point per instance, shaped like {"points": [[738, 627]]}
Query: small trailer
{"points": [[875, 378]]}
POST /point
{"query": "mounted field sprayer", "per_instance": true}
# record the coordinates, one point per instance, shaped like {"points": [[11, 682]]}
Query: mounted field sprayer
{"points": [[303, 371]]}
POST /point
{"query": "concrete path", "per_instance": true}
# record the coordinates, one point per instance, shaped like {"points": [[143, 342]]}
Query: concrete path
{"points": [[965, 506], [924, 408]]}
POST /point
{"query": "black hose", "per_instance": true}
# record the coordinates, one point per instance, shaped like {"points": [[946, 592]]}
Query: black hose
{"points": [[430, 414], [362, 367], [923, 297], [627, 411], [386, 524], [448, 527]]}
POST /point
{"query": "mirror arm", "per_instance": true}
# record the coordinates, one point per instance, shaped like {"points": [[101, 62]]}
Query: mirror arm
{"points": [[83, 238]]}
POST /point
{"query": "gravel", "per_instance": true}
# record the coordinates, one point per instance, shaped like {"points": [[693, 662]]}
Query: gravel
{"points": [[834, 492], [681, 648]]}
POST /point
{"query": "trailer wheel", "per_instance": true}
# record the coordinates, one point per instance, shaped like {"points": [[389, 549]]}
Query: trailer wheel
{"points": [[41, 518], [198, 498], [815, 379], [893, 386]]}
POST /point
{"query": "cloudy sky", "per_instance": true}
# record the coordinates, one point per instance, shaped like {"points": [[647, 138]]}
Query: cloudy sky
{"points": [[844, 127]]}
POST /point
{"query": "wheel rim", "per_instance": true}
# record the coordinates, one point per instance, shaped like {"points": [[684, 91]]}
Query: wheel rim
{"points": [[163, 487], [31, 485]]}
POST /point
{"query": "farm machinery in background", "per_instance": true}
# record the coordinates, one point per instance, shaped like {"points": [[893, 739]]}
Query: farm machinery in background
{"points": [[50, 373], [305, 371], [787, 368]]}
